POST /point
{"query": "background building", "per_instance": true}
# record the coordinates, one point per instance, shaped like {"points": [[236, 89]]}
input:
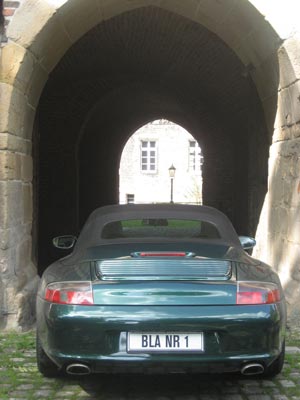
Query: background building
{"points": [[145, 163]]}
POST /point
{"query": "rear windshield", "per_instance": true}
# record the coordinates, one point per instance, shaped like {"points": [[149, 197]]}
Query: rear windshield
{"points": [[160, 227]]}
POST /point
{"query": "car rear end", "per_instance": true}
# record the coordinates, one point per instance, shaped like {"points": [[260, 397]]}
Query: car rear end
{"points": [[162, 311]]}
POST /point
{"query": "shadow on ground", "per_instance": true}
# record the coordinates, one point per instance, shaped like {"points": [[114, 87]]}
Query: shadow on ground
{"points": [[158, 386]]}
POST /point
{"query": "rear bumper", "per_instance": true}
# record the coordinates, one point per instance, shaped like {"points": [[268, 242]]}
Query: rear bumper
{"points": [[97, 335]]}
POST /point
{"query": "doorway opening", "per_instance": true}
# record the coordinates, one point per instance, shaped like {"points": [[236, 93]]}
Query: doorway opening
{"points": [[160, 163]]}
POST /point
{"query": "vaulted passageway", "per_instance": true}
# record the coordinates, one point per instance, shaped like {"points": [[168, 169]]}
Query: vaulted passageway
{"points": [[79, 78], [146, 64]]}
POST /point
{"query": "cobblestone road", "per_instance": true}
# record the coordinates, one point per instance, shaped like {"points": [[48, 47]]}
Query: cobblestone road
{"points": [[19, 379]]}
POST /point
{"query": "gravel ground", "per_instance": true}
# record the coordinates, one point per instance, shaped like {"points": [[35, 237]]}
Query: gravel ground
{"points": [[19, 379]]}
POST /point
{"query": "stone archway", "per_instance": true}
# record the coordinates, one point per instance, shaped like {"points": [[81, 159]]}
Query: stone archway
{"points": [[34, 49]]}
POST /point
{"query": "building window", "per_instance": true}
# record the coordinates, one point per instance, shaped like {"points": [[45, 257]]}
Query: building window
{"points": [[130, 198], [195, 158], [148, 156]]}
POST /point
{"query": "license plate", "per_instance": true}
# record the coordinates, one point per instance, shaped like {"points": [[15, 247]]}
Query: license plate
{"points": [[164, 342]]}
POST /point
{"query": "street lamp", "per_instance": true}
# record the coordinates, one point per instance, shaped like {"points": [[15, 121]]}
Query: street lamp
{"points": [[172, 171]]}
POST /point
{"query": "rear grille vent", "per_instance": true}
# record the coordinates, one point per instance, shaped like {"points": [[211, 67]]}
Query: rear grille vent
{"points": [[166, 269]]}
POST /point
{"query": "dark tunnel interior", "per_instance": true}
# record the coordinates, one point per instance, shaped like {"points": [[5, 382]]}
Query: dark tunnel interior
{"points": [[134, 68]]}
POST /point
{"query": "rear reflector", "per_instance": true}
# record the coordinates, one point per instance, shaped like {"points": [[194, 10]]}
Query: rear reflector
{"points": [[79, 293], [257, 293]]}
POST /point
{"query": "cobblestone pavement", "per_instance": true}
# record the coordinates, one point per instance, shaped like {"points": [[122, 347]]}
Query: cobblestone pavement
{"points": [[19, 379]]}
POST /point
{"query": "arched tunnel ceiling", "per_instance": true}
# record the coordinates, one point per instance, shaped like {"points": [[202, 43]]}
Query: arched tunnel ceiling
{"points": [[154, 45], [145, 64]]}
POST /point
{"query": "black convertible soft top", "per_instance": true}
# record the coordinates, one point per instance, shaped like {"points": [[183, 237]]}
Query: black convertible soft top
{"points": [[91, 232]]}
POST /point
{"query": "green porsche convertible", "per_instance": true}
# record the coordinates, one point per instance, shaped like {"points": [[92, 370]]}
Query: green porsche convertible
{"points": [[159, 288]]}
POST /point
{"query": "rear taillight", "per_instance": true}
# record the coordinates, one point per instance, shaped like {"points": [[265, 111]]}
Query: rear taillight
{"points": [[257, 293], [70, 293]]}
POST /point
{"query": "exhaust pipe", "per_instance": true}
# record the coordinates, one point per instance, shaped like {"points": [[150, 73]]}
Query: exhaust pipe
{"points": [[78, 369], [252, 369]]}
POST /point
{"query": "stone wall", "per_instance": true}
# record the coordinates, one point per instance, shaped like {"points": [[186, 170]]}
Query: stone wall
{"points": [[18, 273], [278, 234]]}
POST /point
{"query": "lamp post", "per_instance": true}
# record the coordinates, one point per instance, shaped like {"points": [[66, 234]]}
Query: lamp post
{"points": [[172, 170]]}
